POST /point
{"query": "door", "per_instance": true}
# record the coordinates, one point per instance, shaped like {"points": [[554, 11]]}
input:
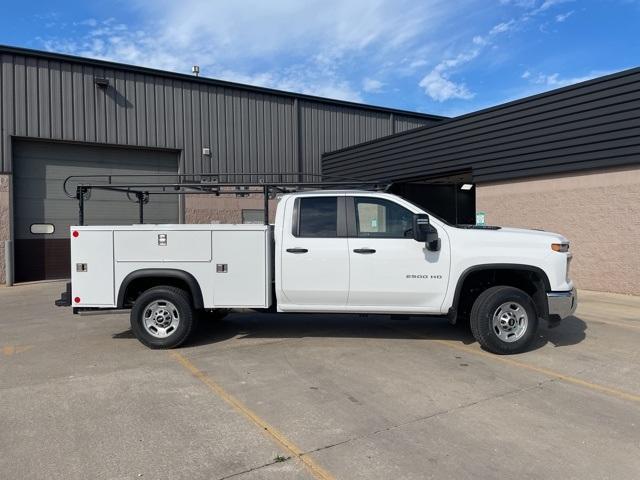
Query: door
{"points": [[314, 255], [388, 268], [43, 212]]}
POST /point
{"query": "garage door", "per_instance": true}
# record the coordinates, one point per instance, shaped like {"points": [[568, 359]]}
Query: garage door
{"points": [[43, 213]]}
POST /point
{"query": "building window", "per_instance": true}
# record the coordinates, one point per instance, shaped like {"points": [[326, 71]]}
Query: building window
{"points": [[252, 215]]}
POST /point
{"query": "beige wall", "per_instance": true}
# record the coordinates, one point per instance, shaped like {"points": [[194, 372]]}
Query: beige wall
{"points": [[4, 221], [222, 209], [599, 212]]}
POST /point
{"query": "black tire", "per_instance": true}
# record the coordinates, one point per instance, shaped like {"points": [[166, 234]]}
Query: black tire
{"points": [[177, 305], [510, 338]]}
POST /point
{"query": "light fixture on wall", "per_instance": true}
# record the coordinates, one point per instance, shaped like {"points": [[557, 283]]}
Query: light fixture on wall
{"points": [[466, 186], [101, 82], [209, 184], [241, 195]]}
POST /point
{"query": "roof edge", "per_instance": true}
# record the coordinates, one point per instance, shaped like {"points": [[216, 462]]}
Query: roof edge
{"points": [[446, 121], [13, 50]]}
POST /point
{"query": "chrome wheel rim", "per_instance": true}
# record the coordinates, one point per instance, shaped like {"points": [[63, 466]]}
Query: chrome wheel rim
{"points": [[161, 318], [510, 322]]}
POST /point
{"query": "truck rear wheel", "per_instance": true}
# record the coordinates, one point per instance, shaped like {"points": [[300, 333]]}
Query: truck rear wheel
{"points": [[503, 320], [162, 317]]}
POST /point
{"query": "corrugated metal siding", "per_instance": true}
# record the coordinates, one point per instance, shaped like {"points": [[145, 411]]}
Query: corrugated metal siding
{"points": [[589, 125], [402, 124], [247, 130], [324, 128]]}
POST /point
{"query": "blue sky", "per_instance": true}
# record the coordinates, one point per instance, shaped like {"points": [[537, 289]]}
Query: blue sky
{"points": [[434, 56]]}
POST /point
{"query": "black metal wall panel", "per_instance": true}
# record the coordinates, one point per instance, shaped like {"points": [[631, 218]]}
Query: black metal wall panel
{"points": [[54, 97], [588, 125]]}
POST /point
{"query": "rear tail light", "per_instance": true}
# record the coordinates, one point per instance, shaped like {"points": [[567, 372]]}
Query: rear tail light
{"points": [[76, 300]]}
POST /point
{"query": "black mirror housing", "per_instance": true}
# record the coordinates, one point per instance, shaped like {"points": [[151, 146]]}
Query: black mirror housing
{"points": [[420, 227], [423, 231], [433, 241]]}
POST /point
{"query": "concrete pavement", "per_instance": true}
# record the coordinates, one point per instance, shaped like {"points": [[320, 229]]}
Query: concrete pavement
{"points": [[312, 396]]}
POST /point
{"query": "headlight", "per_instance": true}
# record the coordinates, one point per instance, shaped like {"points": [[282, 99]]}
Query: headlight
{"points": [[560, 247]]}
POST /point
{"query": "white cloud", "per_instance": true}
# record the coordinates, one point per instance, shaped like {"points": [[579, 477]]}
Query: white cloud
{"points": [[371, 85], [502, 27], [89, 22], [547, 4], [519, 3], [563, 16], [439, 87], [257, 27], [438, 83], [297, 80], [544, 6], [304, 46], [421, 62], [332, 48], [554, 80]]}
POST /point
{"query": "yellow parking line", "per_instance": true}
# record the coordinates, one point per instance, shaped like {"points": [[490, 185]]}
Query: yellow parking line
{"points": [[614, 392], [316, 470], [10, 350]]}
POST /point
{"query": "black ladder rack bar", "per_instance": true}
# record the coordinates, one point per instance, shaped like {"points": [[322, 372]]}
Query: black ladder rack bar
{"points": [[142, 191]]}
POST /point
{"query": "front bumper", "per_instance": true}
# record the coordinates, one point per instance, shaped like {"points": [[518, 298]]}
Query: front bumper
{"points": [[562, 304]]}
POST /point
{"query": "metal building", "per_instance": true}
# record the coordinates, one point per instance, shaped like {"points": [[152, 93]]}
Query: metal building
{"points": [[567, 160], [63, 115]]}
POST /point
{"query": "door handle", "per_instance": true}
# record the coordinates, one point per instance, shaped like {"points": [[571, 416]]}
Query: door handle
{"points": [[365, 251], [297, 250]]}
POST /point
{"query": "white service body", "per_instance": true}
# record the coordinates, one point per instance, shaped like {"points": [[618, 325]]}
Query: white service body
{"points": [[231, 263]]}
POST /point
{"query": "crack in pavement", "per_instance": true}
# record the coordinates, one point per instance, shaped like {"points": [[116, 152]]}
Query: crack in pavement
{"points": [[516, 391], [253, 469]]}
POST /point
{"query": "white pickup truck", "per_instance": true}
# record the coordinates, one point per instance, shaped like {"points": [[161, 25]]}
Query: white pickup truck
{"points": [[340, 251]]}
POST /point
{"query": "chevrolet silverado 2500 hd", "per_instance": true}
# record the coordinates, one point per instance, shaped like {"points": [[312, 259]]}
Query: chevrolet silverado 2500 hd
{"points": [[335, 251]]}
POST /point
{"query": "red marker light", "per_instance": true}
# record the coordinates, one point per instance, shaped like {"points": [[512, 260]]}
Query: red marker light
{"points": [[77, 299], [75, 233]]}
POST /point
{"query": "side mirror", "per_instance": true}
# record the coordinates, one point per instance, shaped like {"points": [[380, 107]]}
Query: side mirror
{"points": [[423, 231], [420, 227]]}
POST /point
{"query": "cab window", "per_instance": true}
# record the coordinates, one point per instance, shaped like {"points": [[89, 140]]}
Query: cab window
{"points": [[318, 217], [380, 218]]}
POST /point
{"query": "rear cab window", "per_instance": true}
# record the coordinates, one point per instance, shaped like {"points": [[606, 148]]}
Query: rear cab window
{"points": [[317, 217]]}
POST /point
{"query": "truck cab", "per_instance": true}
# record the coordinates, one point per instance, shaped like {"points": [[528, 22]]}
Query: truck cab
{"points": [[328, 251], [356, 251]]}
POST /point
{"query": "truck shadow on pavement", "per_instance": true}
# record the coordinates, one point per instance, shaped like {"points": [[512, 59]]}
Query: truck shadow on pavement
{"points": [[246, 326]]}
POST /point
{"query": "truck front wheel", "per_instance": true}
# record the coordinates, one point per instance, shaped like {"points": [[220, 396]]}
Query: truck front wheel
{"points": [[504, 320], [162, 317]]}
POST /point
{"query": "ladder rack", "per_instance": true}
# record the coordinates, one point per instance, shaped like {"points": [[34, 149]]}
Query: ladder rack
{"points": [[266, 184]]}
